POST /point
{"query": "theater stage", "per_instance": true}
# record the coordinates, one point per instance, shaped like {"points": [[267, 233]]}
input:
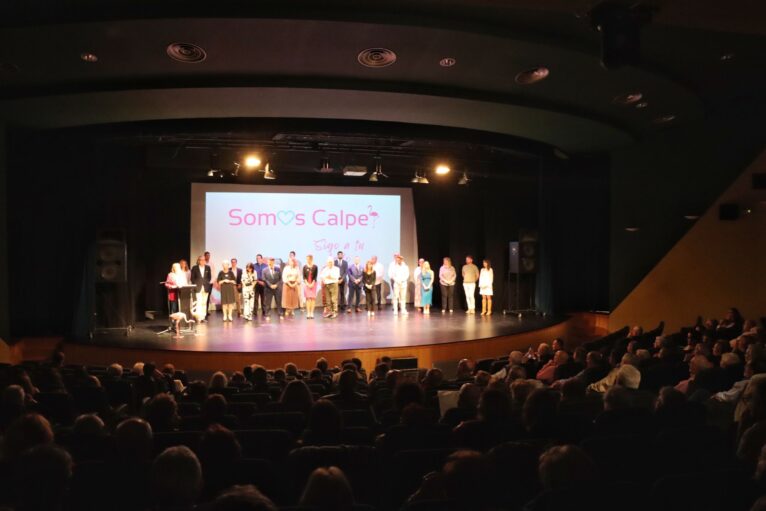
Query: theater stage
{"points": [[354, 331], [430, 339]]}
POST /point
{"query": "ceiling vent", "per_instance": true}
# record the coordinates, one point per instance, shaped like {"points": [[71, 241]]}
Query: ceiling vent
{"points": [[186, 52], [376, 57]]}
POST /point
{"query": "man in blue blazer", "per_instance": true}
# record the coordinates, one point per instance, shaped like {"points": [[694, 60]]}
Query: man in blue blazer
{"points": [[343, 267], [272, 276], [355, 274]]}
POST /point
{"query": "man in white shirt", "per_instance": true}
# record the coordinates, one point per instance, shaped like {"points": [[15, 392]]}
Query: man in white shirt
{"points": [[329, 277], [380, 274], [399, 274]]}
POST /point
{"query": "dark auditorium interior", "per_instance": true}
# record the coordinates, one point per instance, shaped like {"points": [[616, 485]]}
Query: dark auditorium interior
{"points": [[626, 135]]}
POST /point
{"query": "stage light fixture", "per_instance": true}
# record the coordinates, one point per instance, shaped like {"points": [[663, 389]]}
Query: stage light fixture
{"points": [[415, 179], [235, 172], [269, 173], [442, 169], [324, 166], [252, 161], [378, 172], [211, 173], [464, 180]]}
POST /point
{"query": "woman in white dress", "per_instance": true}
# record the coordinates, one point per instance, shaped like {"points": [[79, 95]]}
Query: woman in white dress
{"points": [[249, 278], [486, 278]]}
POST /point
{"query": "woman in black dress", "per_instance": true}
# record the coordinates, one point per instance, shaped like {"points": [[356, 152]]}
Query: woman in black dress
{"points": [[368, 280], [228, 282]]}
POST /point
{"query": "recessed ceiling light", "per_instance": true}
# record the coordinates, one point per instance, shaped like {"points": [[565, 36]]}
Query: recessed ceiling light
{"points": [[376, 57], [665, 118], [89, 57], [629, 98], [186, 52], [691, 217], [726, 57], [534, 75], [642, 104], [442, 169], [632, 229], [447, 62]]}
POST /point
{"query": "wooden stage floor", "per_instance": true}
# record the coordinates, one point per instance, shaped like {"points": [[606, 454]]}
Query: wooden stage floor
{"points": [[355, 331]]}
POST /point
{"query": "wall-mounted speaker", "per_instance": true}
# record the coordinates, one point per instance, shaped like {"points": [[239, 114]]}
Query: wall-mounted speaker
{"points": [[524, 253]]}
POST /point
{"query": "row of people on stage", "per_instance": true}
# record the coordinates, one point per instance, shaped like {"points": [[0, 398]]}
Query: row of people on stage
{"points": [[341, 285]]}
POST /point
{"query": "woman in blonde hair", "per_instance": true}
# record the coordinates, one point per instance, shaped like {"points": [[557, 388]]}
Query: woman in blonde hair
{"points": [[426, 286], [228, 282]]}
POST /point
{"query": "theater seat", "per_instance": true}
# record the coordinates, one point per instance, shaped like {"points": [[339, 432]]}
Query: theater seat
{"points": [[163, 440], [271, 444], [408, 469], [294, 422]]}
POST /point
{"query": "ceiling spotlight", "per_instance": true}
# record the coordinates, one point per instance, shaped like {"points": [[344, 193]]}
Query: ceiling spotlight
{"points": [[378, 172], [629, 98], [447, 62], [89, 57], [632, 228], [416, 178], [324, 166], [534, 75], [269, 173], [252, 162], [464, 180], [726, 57], [187, 53], [235, 172], [691, 217], [642, 104], [212, 173], [442, 169], [420, 178]]}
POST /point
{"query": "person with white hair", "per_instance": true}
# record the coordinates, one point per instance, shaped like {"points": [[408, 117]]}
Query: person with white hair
{"points": [[228, 282], [399, 274], [330, 276]]}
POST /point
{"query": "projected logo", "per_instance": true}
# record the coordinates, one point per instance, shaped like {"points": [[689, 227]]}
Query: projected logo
{"points": [[317, 218]]}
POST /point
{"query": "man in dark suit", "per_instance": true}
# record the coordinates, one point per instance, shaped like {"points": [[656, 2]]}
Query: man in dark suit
{"points": [[272, 276], [343, 267], [238, 274], [201, 276], [355, 272]]}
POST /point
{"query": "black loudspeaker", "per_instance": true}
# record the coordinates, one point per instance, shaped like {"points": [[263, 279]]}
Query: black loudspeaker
{"points": [[523, 253], [729, 212], [111, 257], [110, 301]]}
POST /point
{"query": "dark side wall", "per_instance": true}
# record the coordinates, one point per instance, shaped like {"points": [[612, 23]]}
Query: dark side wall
{"points": [[677, 171]]}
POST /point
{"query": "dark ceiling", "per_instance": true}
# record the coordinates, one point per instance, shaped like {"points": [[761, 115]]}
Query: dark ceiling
{"points": [[269, 60]]}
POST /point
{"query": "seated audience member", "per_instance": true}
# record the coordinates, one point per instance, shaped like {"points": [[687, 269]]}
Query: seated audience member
{"points": [[213, 411], [239, 381], [316, 378], [219, 455], [730, 326], [557, 344], [323, 366], [534, 360], [467, 403], [347, 397], [697, 364], [325, 424], [354, 368], [465, 369], [27, 431], [242, 498], [546, 374], [482, 379], [296, 397], [668, 370], [291, 371], [87, 441], [433, 380], [540, 413], [42, 479], [13, 405], [196, 392], [611, 379], [176, 479], [406, 393], [494, 425], [260, 379], [753, 438], [162, 413], [595, 369], [133, 441], [150, 383], [462, 483], [327, 489], [733, 394], [566, 466], [218, 381], [515, 358]]}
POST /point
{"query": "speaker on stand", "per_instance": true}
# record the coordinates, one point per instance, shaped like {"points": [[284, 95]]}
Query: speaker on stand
{"points": [[110, 302], [522, 265]]}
